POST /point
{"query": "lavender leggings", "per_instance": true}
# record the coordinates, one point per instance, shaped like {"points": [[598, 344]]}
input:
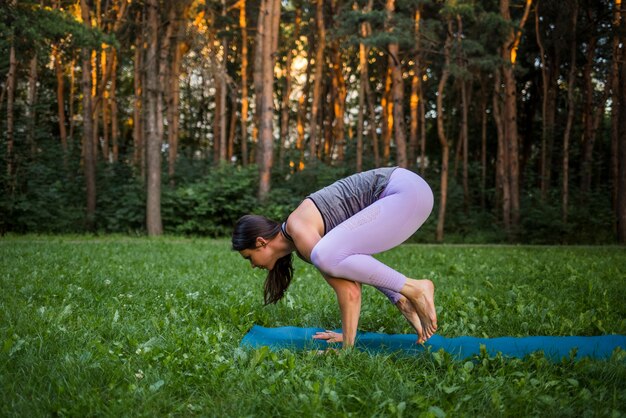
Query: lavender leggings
{"points": [[346, 251]]}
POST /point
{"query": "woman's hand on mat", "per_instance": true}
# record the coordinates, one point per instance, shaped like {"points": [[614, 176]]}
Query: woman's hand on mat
{"points": [[329, 336]]}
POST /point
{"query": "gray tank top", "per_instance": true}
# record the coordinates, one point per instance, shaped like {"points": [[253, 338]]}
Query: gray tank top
{"points": [[347, 196]]}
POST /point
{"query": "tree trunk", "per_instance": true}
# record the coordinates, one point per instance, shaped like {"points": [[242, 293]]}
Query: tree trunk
{"points": [[153, 205], [115, 127], [366, 31], [549, 78], [588, 111], [621, 182], [317, 83], [31, 114], [363, 81], [363, 52], [71, 98], [11, 82], [620, 57], [58, 69], [503, 191], [174, 105], [443, 140], [139, 154], [399, 127], [387, 106], [302, 112], [509, 56], [339, 105], [571, 109], [284, 116], [483, 151], [267, 40], [416, 96], [244, 82], [88, 144], [615, 98]]}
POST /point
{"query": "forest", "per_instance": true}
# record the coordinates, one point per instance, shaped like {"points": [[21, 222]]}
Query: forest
{"points": [[152, 117]]}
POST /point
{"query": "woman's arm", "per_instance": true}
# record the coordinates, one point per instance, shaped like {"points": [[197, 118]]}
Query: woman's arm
{"points": [[349, 299]]}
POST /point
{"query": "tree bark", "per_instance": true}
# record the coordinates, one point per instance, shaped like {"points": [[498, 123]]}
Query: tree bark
{"points": [[503, 191], [509, 55], [88, 144], [284, 116], [339, 105], [399, 126], [317, 78], [244, 82], [11, 82], [58, 69], [31, 114], [138, 142], [154, 223], [387, 105], [571, 109], [268, 41], [441, 133]]}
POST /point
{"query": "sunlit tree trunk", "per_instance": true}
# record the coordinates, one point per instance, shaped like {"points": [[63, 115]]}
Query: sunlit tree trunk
{"points": [[154, 223], [302, 112], [173, 107], [443, 140], [509, 117], [571, 109], [387, 106], [317, 78], [284, 116], [399, 127], [339, 103], [416, 97], [366, 30], [72, 94], [88, 144], [115, 127], [363, 80], [244, 82], [138, 155]]}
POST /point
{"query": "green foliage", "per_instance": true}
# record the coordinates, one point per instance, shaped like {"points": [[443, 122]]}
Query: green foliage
{"points": [[155, 325], [211, 205]]}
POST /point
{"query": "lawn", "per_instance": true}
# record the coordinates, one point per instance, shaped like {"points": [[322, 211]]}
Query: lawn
{"points": [[122, 326]]}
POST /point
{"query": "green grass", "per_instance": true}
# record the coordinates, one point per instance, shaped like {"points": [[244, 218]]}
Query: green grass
{"points": [[120, 326]]}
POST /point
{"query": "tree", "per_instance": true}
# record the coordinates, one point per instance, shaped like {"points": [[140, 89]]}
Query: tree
{"points": [[88, 145], [267, 42], [154, 224], [441, 133]]}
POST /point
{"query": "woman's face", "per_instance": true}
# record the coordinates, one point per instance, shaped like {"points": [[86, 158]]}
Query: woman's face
{"points": [[260, 257]]}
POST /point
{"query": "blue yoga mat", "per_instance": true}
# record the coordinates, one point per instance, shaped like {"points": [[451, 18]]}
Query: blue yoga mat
{"points": [[554, 348]]}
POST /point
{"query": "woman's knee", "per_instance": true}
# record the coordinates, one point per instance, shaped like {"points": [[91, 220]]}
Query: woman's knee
{"points": [[324, 258]]}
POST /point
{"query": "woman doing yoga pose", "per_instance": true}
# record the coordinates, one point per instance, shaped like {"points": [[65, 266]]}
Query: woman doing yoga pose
{"points": [[338, 229]]}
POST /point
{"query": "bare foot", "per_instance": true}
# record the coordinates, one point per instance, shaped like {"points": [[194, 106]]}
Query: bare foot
{"points": [[408, 311], [421, 293]]}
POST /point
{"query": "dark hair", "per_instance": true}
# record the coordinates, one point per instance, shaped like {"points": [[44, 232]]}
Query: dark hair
{"points": [[245, 233]]}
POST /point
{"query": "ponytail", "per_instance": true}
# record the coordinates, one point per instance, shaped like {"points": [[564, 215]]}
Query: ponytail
{"points": [[278, 280], [245, 233]]}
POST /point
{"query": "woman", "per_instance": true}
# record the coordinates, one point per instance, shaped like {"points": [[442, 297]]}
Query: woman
{"points": [[338, 229]]}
